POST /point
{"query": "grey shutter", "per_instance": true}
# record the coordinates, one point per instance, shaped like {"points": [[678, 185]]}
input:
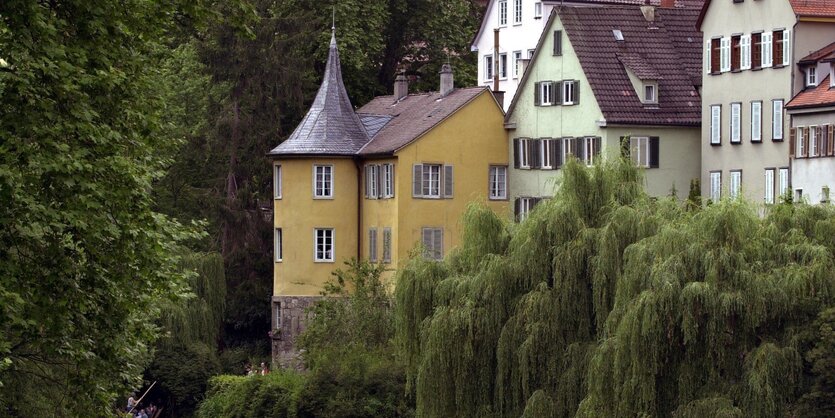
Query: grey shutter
{"points": [[426, 240], [576, 92], [378, 169], [537, 94], [556, 92], [597, 146], [438, 243], [653, 152], [516, 208], [392, 179], [448, 181], [527, 150], [515, 152], [557, 42], [560, 160], [580, 148], [417, 189], [535, 154], [555, 154]]}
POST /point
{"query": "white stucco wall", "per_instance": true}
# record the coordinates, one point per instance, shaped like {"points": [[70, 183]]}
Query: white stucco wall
{"points": [[811, 175]]}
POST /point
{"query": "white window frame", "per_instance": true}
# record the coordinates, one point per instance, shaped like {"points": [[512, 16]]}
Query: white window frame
{"points": [[503, 66], [498, 182], [430, 183], [523, 154], [813, 142], [388, 180], [756, 121], [800, 148], [715, 124], [430, 251], [567, 148], [517, 60], [488, 67], [811, 75], [715, 186], [588, 144], [386, 245], [372, 176], [278, 249], [736, 123], [569, 92], [745, 52], [320, 237], [537, 10], [639, 150], [277, 181], [777, 119], [326, 182], [768, 195], [650, 93], [735, 183], [517, 12], [502, 12], [545, 154], [784, 184], [767, 49], [545, 91], [526, 205], [372, 245]]}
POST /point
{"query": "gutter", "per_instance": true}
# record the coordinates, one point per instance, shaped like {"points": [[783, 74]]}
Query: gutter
{"points": [[358, 164]]}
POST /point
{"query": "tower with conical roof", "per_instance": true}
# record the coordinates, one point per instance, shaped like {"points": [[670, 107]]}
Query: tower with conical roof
{"points": [[315, 221]]}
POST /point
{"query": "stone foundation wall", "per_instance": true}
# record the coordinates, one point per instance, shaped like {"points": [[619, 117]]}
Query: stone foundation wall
{"points": [[289, 318]]}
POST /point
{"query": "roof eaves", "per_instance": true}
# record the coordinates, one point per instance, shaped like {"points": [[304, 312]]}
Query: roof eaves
{"points": [[527, 73]]}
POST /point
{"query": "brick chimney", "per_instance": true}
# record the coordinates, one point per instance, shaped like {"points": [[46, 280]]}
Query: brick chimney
{"points": [[668, 4], [401, 86], [446, 80]]}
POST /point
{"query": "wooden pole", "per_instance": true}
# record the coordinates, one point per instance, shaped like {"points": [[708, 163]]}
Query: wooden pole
{"points": [[143, 397]]}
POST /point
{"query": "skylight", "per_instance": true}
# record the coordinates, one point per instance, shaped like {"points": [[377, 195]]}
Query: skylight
{"points": [[618, 34]]}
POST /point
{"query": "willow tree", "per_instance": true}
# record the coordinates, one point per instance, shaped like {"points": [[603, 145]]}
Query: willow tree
{"points": [[605, 302]]}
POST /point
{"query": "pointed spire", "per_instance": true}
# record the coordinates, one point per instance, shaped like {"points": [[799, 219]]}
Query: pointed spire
{"points": [[331, 126]]}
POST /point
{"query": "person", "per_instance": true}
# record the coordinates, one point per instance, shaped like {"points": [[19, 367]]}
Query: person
{"points": [[249, 370], [264, 369], [131, 403]]}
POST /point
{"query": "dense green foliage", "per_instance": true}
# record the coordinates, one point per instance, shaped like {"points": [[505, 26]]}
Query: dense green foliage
{"points": [[608, 303], [84, 257], [352, 365]]}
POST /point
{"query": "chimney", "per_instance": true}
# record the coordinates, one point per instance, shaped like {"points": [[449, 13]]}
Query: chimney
{"points": [[668, 4], [401, 86], [649, 11], [446, 80]]}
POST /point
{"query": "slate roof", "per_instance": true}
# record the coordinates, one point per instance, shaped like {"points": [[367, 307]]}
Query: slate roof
{"points": [[670, 47], [820, 96], [412, 116], [824, 54], [330, 127]]}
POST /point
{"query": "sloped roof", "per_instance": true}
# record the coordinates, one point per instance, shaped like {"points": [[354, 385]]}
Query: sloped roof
{"points": [[821, 54], [668, 51], [639, 66], [813, 8], [820, 96], [412, 116], [330, 126]]}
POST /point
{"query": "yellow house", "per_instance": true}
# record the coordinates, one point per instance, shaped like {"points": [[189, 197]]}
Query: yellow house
{"points": [[376, 183]]}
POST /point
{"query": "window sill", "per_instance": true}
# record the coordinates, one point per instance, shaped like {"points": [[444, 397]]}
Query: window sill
{"points": [[277, 198], [757, 68], [738, 70], [756, 141], [323, 261], [739, 142], [776, 139], [278, 261], [427, 197], [322, 197], [716, 144], [498, 199], [537, 17], [517, 24]]}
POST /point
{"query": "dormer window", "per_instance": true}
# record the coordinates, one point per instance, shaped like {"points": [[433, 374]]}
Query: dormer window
{"points": [[811, 76], [650, 93]]}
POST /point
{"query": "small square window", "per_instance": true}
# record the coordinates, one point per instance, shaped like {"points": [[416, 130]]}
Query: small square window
{"points": [[650, 93], [811, 76]]}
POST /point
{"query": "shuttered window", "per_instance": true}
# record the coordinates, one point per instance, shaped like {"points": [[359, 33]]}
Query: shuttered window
{"points": [[786, 46], [570, 94], [715, 125], [372, 244], [756, 121], [523, 206], [778, 40], [800, 143], [433, 243], [777, 120], [784, 181], [813, 141], [388, 180], [715, 185], [372, 181], [767, 49], [432, 181], [735, 183], [736, 121], [387, 245], [756, 50], [644, 151], [745, 52], [768, 195], [714, 54], [725, 54], [736, 49]]}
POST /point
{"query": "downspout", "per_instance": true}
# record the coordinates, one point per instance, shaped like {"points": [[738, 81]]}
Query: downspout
{"points": [[496, 59], [357, 163]]}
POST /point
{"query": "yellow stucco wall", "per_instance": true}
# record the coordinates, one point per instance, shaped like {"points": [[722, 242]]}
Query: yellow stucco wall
{"points": [[470, 140], [297, 213], [382, 213]]}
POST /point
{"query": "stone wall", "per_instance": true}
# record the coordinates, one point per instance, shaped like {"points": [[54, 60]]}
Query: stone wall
{"points": [[289, 317]]}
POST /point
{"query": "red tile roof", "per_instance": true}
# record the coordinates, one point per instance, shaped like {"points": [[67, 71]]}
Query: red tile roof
{"points": [[814, 8], [672, 48], [413, 116], [819, 55], [820, 96]]}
